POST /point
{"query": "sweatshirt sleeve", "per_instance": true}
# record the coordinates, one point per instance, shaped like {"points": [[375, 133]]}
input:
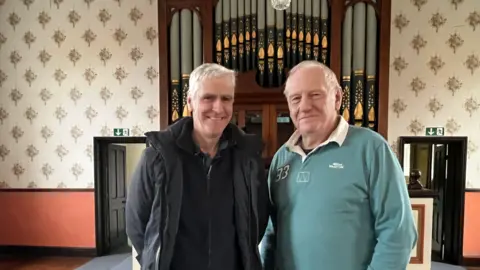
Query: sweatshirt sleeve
{"points": [[395, 229], [139, 200], [268, 243]]}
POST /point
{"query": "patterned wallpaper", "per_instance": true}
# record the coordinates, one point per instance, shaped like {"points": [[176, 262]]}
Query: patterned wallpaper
{"points": [[434, 75], [74, 69], [71, 70]]}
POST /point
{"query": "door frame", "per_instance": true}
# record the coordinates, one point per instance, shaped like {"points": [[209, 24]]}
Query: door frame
{"points": [[459, 142], [100, 151]]}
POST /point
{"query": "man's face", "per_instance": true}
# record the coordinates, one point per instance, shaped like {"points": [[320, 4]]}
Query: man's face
{"points": [[313, 107], [212, 106]]}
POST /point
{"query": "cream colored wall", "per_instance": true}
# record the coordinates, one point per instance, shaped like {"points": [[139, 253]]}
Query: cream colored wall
{"points": [[435, 60], [87, 69]]}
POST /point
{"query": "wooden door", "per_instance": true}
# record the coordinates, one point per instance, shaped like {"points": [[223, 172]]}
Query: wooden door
{"points": [[116, 231], [452, 251], [254, 119], [281, 126], [438, 185]]}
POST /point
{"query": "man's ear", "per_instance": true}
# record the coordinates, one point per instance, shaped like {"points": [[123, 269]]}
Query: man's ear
{"points": [[338, 99], [189, 103]]}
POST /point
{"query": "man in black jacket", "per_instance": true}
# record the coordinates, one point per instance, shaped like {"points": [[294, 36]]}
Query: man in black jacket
{"points": [[199, 198]]}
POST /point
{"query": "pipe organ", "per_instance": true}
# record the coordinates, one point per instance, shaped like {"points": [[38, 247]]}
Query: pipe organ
{"points": [[251, 35], [263, 44], [185, 55], [359, 64]]}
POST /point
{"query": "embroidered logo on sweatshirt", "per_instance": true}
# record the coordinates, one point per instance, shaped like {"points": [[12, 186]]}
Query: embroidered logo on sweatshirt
{"points": [[303, 177], [336, 165]]}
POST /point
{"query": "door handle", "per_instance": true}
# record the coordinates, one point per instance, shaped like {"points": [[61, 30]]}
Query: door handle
{"points": [[124, 201]]}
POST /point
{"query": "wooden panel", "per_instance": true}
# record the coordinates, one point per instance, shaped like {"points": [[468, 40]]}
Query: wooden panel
{"points": [[417, 252], [276, 140], [384, 67], [242, 112]]}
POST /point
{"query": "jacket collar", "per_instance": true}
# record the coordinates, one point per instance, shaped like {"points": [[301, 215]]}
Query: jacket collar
{"points": [[180, 133]]}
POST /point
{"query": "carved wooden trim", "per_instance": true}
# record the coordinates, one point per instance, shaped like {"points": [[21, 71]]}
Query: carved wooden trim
{"points": [[418, 258], [384, 67], [337, 8]]}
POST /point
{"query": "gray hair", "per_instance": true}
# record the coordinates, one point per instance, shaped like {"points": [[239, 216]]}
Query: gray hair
{"points": [[330, 77], [208, 71]]}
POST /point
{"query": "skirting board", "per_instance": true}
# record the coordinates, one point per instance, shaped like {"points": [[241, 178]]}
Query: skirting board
{"points": [[471, 261], [48, 251]]}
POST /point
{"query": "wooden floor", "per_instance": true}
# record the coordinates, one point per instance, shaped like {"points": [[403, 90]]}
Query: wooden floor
{"points": [[49, 263], [55, 263]]}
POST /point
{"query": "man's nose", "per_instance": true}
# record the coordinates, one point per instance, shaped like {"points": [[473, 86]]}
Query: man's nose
{"points": [[305, 104], [217, 105]]}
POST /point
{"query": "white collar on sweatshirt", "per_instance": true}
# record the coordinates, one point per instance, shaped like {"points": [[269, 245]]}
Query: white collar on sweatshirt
{"points": [[338, 136]]}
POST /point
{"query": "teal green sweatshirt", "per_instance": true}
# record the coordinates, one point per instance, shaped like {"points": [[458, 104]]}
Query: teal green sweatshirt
{"points": [[344, 206]]}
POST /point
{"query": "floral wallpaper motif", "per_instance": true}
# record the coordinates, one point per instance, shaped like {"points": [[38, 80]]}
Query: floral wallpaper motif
{"points": [[71, 70], [435, 66]]}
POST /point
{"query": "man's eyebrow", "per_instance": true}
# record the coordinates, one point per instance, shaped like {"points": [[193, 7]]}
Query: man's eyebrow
{"points": [[217, 95]]}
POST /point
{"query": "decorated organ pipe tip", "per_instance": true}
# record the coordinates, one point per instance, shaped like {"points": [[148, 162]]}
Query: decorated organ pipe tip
{"points": [[346, 63], [308, 30], [254, 31], [359, 23], [270, 43], [371, 67], [234, 34], [301, 29], [280, 45], [324, 20], [359, 64], [241, 35], [261, 42], [250, 35], [175, 90], [316, 28], [185, 54]]}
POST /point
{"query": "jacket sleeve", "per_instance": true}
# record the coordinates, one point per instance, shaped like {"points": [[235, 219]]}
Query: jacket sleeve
{"points": [[263, 199], [268, 244], [139, 200], [395, 229]]}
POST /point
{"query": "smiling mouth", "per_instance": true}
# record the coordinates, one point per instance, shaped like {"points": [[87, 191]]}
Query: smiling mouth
{"points": [[216, 118]]}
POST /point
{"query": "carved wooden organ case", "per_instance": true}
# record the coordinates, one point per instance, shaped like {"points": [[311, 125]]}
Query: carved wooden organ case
{"points": [[262, 44]]}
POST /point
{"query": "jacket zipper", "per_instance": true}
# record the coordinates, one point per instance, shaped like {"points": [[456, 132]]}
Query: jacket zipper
{"points": [[162, 234], [209, 220], [157, 257]]}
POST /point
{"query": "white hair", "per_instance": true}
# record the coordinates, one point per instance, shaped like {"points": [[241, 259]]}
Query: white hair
{"points": [[330, 78], [208, 71]]}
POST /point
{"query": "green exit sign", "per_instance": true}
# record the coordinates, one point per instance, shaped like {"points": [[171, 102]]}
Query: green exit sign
{"points": [[435, 131], [121, 132]]}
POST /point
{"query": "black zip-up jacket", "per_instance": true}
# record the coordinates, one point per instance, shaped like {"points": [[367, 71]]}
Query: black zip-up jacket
{"points": [[155, 195]]}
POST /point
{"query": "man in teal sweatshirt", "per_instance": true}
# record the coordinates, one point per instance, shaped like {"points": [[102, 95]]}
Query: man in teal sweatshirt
{"points": [[338, 194]]}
